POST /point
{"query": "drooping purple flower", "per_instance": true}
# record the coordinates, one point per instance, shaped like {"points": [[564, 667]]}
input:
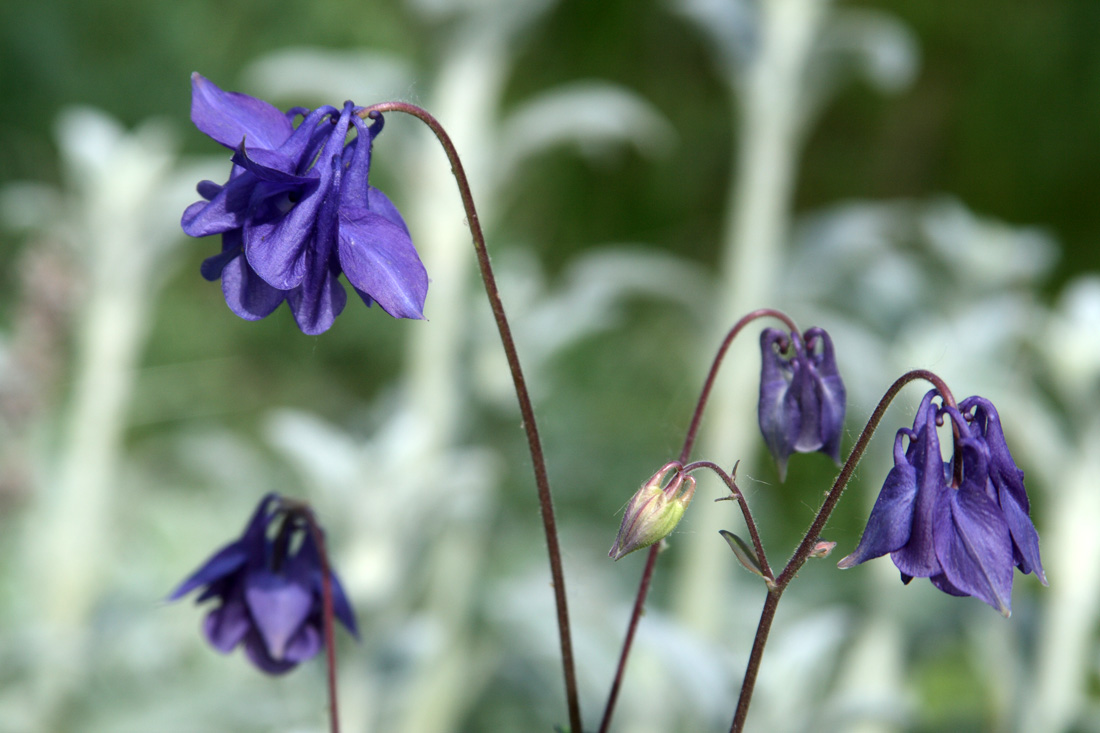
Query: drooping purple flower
{"points": [[297, 211], [965, 530], [802, 398], [269, 591]]}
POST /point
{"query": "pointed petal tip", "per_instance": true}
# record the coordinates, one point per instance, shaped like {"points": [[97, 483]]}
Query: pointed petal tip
{"points": [[848, 562]]}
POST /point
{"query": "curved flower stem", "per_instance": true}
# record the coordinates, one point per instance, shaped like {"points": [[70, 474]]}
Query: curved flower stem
{"points": [[685, 451], [740, 498], [708, 384], [802, 553], [527, 411]]}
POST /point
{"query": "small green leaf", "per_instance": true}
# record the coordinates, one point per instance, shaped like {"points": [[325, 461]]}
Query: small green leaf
{"points": [[743, 551]]}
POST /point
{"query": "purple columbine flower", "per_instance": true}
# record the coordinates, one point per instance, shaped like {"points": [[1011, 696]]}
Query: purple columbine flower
{"points": [[269, 591], [802, 397], [965, 535], [297, 211]]}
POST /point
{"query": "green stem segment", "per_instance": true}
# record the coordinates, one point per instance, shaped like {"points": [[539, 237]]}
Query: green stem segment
{"points": [[526, 409]]}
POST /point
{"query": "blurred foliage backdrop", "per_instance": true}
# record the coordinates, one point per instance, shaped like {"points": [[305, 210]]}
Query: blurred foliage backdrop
{"points": [[915, 177]]}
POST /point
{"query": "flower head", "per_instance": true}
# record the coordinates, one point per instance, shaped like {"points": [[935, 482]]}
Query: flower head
{"points": [[802, 397], [653, 511], [297, 211], [964, 530], [269, 591]]}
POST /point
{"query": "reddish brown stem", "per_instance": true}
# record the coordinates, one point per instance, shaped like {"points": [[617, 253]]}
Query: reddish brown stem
{"points": [[328, 622], [527, 411], [802, 553], [685, 452]]}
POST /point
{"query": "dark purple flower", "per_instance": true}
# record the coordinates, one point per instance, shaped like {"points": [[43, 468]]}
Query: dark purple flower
{"points": [[802, 397], [297, 211], [965, 534], [269, 591]]}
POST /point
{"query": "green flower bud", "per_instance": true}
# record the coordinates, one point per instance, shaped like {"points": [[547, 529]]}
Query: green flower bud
{"points": [[653, 512]]}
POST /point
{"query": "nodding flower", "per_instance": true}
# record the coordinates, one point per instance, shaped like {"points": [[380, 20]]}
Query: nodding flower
{"points": [[964, 530]]}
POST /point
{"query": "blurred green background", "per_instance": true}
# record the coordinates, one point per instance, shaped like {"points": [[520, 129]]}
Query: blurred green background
{"points": [[957, 141]]}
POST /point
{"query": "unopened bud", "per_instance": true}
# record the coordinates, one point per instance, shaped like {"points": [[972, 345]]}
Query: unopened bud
{"points": [[822, 548], [653, 512]]}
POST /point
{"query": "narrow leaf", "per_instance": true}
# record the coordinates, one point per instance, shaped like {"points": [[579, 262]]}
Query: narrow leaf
{"points": [[743, 551]]}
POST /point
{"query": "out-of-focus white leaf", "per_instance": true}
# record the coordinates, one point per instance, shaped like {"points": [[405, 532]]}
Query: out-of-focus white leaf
{"points": [[1071, 346], [496, 17], [873, 44], [986, 252], [799, 662], [329, 77], [592, 115], [383, 493], [588, 300], [732, 26], [318, 449]]}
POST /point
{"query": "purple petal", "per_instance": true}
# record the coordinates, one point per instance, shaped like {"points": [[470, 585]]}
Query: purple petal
{"points": [[256, 528], [276, 249], [305, 645], [256, 650], [802, 404], [233, 556], [378, 258], [227, 210], [309, 137], [342, 608], [279, 606], [918, 557], [1024, 537], [208, 189], [227, 560], [973, 545], [317, 301], [354, 192], [831, 397], [226, 625], [230, 117], [212, 267], [892, 516], [379, 203], [778, 426], [271, 166], [942, 583], [246, 294], [1002, 468], [320, 297]]}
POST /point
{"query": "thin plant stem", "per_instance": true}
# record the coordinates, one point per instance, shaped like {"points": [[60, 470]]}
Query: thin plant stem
{"points": [[685, 452], [526, 409], [767, 615], [327, 616], [708, 384], [802, 553], [736, 494]]}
